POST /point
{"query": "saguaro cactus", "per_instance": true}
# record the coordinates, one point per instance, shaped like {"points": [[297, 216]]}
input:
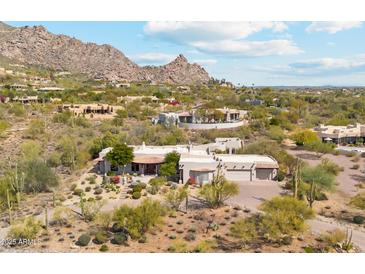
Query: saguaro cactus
{"points": [[10, 206], [46, 217], [17, 184]]}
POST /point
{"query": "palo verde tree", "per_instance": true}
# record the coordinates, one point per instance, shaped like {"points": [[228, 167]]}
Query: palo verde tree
{"points": [[121, 155], [316, 179], [218, 191], [169, 167]]}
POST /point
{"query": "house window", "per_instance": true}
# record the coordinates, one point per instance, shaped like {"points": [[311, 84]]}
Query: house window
{"points": [[135, 167]]}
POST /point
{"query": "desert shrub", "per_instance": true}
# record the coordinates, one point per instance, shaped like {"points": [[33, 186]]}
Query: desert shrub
{"points": [[140, 219], [136, 195], [54, 159], [38, 177], [205, 246], [174, 197], [27, 229], [143, 185], [73, 187], [91, 180], [305, 136], [103, 219], [120, 239], [98, 191], [190, 236], [331, 167], [101, 237], [137, 188], [78, 192], [358, 201], [284, 216], [35, 129], [104, 248], [358, 219], [218, 191], [91, 209], [319, 147], [83, 240], [62, 215], [87, 189], [333, 237], [244, 229], [178, 246], [356, 166], [156, 184]]}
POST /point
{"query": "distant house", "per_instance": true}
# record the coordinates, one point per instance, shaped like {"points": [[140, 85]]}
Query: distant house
{"points": [[350, 134], [26, 99], [129, 99], [20, 87], [198, 163], [122, 85], [189, 119], [48, 89], [90, 110]]}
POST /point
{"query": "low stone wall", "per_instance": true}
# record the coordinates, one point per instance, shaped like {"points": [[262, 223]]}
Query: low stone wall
{"points": [[212, 125]]}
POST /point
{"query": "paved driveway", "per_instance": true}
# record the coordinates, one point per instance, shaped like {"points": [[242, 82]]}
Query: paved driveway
{"points": [[253, 193]]}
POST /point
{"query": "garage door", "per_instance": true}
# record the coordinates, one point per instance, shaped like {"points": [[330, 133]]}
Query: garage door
{"points": [[238, 175], [263, 173]]}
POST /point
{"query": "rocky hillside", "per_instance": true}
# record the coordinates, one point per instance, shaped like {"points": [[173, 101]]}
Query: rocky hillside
{"points": [[37, 46]]}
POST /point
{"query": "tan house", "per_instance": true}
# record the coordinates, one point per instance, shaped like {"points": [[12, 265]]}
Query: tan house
{"points": [[349, 134], [96, 111]]}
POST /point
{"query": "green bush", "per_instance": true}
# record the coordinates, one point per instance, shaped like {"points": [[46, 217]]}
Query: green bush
{"points": [[78, 192], [218, 191], [38, 176], [120, 239], [358, 201], [136, 195], [104, 248], [244, 229], [281, 175], [28, 229], [101, 237], [137, 188], [284, 216], [83, 240], [98, 191], [358, 219], [138, 220]]}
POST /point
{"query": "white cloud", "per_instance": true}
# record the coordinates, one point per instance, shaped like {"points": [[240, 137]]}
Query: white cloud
{"points": [[249, 48], [332, 27], [224, 37], [208, 31], [322, 66], [153, 58], [205, 61]]}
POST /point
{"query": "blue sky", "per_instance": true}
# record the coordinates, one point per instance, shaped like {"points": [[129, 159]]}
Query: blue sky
{"points": [[263, 53]]}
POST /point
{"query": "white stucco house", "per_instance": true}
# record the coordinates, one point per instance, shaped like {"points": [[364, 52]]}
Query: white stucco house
{"points": [[199, 163], [232, 118]]}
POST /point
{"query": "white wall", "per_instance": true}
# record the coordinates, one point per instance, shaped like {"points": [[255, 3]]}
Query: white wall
{"points": [[211, 126]]}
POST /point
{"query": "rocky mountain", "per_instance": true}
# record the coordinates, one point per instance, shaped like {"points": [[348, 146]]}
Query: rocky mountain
{"points": [[37, 46]]}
